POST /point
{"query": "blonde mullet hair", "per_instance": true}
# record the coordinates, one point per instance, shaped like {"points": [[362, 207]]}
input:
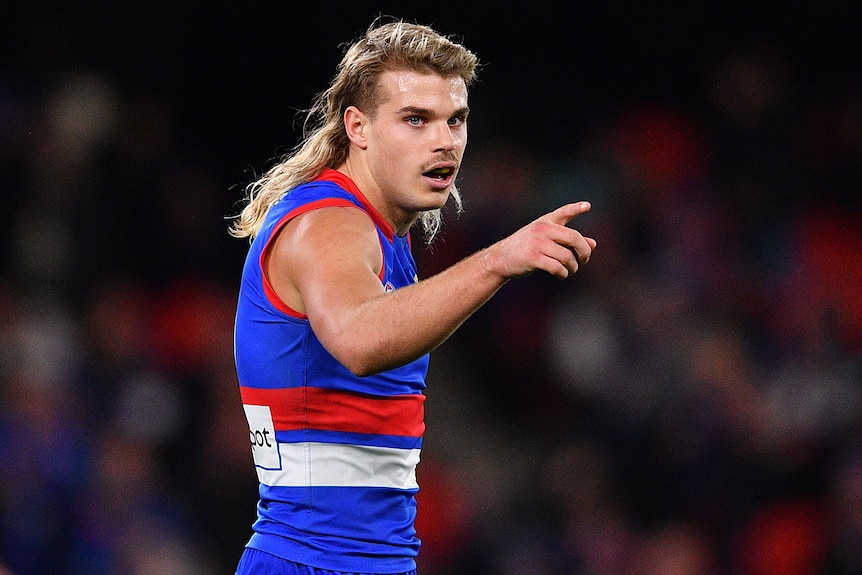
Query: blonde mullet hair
{"points": [[385, 46]]}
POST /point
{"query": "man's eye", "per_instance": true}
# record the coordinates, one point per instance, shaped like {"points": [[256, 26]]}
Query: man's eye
{"points": [[456, 121], [414, 120]]}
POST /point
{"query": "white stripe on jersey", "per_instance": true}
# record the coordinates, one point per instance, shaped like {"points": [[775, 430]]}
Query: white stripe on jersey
{"points": [[338, 465]]}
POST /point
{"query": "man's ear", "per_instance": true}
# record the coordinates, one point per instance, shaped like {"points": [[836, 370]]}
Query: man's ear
{"points": [[354, 124]]}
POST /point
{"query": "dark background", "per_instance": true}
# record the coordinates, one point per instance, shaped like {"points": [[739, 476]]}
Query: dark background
{"points": [[689, 403]]}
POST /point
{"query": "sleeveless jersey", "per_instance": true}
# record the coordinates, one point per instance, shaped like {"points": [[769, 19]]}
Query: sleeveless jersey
{"points": [[335, 453]]}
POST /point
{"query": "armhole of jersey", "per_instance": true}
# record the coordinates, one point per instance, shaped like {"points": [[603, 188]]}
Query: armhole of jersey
{"points": [[268, 290]]}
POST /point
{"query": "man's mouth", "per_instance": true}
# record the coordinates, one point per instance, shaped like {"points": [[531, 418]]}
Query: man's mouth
{"points": [[439, 173]]}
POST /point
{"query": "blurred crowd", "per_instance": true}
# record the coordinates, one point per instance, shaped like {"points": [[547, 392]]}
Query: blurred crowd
{"points": [[689, 403]]}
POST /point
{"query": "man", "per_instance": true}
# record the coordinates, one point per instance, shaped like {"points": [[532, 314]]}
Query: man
{"points": [[333, 327]]}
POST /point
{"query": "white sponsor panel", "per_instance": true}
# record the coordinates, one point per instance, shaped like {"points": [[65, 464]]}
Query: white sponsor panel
{"points": [[261, 434], [339, 465]]}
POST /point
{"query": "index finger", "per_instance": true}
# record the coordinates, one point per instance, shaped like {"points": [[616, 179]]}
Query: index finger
{"points": [[564, 214]]}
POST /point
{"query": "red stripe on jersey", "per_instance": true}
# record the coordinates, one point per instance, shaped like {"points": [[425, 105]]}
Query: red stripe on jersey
{"points": [[344, 182], [333, 410]]}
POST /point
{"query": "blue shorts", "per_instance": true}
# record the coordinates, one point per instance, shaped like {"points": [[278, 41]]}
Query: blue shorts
{"points": [[255, 562]]}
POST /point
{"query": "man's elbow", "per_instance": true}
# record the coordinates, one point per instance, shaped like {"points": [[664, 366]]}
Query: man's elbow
{"points": [[363, 355], [361, 367], [363, 361], [358, 361]]}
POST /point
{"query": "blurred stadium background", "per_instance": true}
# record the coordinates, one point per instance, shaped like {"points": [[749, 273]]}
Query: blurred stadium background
{"points": [[690, 403]]}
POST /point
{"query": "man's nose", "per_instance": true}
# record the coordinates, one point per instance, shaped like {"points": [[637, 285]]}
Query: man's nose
{"points": [[444, 139]]}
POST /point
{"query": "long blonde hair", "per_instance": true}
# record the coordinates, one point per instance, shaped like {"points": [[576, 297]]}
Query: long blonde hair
{"points": [[385, 46]]}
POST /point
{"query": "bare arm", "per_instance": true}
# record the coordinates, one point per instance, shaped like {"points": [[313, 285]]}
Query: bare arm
{"points": [[326, 264]]}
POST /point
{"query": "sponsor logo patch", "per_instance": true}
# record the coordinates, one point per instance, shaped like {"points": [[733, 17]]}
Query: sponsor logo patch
{"points": [[261, 434]]}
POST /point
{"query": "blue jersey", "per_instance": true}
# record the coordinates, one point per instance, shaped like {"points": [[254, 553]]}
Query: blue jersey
{"points": [[336, 454]]}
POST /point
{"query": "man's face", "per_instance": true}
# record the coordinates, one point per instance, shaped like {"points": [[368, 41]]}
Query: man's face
{"points": [[416, 139]]}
